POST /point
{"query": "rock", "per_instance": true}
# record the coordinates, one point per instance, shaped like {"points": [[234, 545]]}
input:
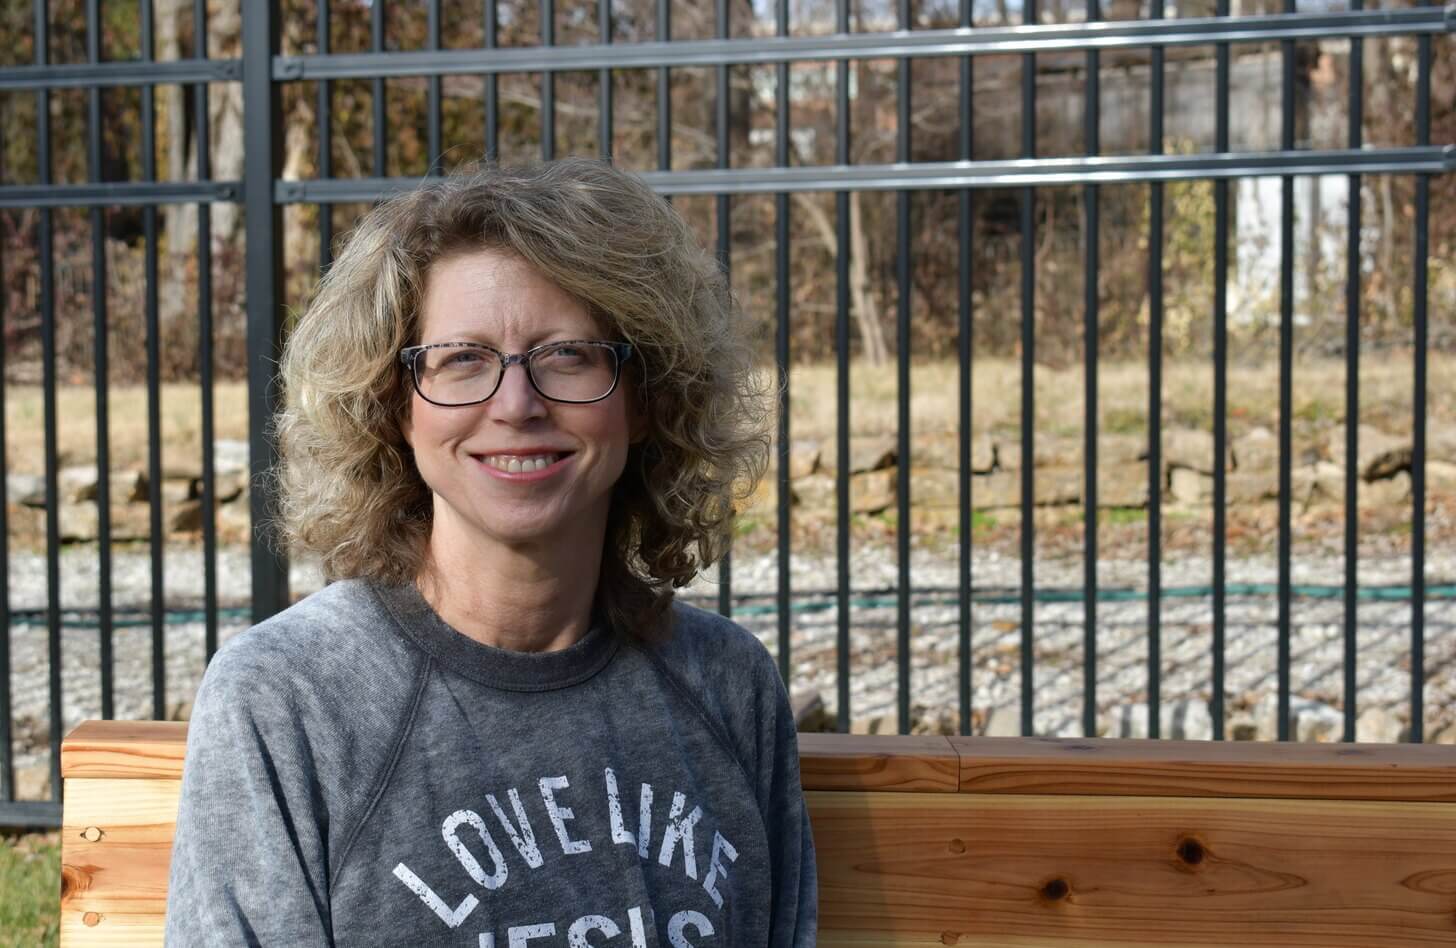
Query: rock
{"points": [[803, 458], [1257, 450], [941, 722], [1380, 455], [25, 489], [1179, 721], [1003, 721], [1058, 485], [235, 520], [810, 714], [1188, 486], [179, 711], [935, 487], [1122, 485], [1315, 721], [873, 491], [229, 457], [866, 453], [79, 523], [1309, 721], [815, 492], [1440, 442], [79, 484], [1121, 449], [1379, 725], [1050, 451], [30, 733], [33, 782], [228, 487], [943, 450], [1242, 487], [997, 490], [1001, 489], [176, 491], [1391, 492], [1192, 449], [875, 724], [1445, 735], [185, 517], [1188, 721], [1440, 475]]}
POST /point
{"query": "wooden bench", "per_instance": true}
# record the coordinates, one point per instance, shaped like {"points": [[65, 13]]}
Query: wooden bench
{"points": [[973, 841]]}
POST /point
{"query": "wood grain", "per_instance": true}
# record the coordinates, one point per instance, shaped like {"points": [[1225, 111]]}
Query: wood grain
{"points": [[991, 870], [1410, 772], [122, 749], [116, 846], [852, 762]]}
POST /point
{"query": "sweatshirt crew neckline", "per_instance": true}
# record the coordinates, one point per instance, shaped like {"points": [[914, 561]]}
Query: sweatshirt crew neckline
{"points": [[499, 668]]}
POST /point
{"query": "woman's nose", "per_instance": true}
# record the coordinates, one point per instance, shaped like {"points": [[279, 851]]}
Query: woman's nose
{"points": [[516, 399]]}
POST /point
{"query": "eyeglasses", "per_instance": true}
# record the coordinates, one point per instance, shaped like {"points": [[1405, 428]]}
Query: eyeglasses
{"points": [[454, 374]]}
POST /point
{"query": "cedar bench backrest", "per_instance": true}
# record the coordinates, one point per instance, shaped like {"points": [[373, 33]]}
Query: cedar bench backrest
{"points": [[972, 841]]}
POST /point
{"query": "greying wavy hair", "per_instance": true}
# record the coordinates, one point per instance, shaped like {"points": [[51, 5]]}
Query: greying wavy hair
{"points": [[347, 484]]}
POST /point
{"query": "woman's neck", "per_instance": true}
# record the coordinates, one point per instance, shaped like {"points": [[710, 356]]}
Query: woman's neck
{"points": [[536, 600]]}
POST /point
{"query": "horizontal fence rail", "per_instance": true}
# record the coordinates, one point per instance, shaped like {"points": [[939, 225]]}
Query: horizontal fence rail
{"points": [[264, 71], [905, 43]]}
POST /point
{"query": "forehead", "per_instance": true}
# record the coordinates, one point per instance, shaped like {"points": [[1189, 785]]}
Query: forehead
{"points": [[496, 297]]}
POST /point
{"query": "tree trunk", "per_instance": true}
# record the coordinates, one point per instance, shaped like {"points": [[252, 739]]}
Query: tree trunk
{"points": [[179, 221]]}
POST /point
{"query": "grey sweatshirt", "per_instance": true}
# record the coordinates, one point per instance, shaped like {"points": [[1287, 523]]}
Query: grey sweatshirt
{"points": [[359, 773]]}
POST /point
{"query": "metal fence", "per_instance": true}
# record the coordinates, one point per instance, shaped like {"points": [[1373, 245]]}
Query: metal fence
{"points": [[263, 194]]}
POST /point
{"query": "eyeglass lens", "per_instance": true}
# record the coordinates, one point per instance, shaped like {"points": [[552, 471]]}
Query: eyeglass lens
{"points": [[462, 374]]}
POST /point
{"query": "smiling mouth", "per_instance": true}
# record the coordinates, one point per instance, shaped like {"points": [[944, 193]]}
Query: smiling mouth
{"points": [[520, 463]]}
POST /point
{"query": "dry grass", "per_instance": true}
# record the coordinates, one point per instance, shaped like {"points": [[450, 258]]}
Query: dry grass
{"points": [[1253, 393], [181, 417], [1319, 401]]}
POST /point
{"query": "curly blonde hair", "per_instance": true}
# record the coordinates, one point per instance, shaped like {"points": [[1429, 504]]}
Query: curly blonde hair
{"points": [[347, 485]]}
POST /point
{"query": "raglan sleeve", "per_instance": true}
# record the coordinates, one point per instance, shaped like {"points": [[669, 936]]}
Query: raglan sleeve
{"points": [[795, 910], [249, 857]]}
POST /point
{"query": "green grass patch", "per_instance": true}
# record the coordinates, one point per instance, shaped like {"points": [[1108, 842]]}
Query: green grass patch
{"points": [[30, 890], [1116, 516]]}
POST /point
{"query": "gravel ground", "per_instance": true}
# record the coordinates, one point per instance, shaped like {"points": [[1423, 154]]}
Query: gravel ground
{"points": [[1317, 645]]}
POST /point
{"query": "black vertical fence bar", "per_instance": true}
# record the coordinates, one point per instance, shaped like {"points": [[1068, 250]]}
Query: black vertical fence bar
{"points": [[1092, 116], [1155, 399], [1220, 373], [1352, 382], [7, 760], [45, 252], [432, 94], [1418, 397], [724, 220], [604, 84], [154, 380], [1286, 379], [1028, 386], [492, 88], [263, 118], [548, 83], [204, 330], [325, 146], [94, 145], [902, 389], [381, 118], [841, 387], [781, 342], [664, 90], [964, 285]]}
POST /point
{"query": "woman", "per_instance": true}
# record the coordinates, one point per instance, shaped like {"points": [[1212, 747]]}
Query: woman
{"points": [[516, 417]]}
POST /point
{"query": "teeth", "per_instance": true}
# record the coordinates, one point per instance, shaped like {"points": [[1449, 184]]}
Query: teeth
{"points": [[516, 464]]}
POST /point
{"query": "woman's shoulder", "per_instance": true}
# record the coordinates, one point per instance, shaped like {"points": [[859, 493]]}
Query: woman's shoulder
{"points": [[702, 640], [331, 641]]}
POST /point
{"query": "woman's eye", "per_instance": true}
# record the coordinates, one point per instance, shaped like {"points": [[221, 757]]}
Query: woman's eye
{"points": [[463, 357]]}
